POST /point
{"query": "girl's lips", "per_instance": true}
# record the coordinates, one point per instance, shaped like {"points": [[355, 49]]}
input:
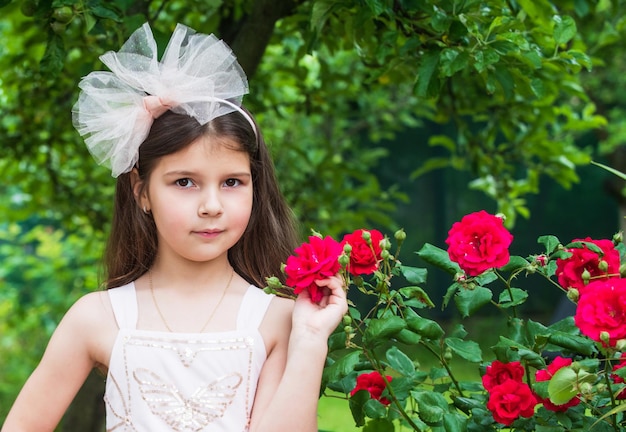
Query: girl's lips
{"points": [[208, 233]]}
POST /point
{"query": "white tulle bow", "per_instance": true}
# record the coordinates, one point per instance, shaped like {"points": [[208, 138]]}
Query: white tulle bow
{"points": [[198, 75]]}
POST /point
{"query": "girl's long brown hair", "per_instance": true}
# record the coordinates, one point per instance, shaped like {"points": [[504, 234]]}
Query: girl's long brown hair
{"points": [[269, 238]]}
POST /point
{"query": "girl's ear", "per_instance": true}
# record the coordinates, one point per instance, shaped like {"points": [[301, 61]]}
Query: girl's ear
{"points": [[141, 197]]}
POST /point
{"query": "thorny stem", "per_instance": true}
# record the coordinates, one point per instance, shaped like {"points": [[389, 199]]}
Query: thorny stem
{"points": [[445, 364], [607, 379], [507, 284]]}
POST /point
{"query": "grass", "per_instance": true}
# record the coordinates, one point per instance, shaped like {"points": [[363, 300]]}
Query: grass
{"points": [[334, 415]]}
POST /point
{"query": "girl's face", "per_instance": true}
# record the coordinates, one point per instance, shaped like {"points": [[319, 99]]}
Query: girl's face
{"points": [[201, 199]]}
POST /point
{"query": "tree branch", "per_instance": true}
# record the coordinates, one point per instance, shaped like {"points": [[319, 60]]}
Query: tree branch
{"points": [[249, 37]]}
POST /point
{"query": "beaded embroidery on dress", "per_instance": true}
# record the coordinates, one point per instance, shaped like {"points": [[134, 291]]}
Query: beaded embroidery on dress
{"points": [[191, 382]]}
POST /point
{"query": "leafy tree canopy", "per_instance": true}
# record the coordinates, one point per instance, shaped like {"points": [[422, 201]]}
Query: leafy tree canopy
{"points": [[329, 77]]}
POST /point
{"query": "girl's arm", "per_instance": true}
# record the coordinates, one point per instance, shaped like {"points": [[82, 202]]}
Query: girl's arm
{"points": [[289, 385], [64, 367]]}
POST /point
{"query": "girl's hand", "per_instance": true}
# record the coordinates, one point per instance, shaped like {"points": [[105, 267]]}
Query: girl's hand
{"points": [[324, 317]]}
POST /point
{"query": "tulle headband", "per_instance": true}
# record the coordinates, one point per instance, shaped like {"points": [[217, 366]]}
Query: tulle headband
{"points": [[198, 76]]}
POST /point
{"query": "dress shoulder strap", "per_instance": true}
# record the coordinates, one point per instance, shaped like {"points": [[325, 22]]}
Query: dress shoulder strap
{"points": [[124, 303], [253, 307]]}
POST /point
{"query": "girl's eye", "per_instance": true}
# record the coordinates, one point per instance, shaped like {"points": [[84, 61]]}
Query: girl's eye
{"points": [[184, 183], [231, 182]]}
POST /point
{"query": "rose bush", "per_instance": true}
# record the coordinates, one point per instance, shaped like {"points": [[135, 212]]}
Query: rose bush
{"points": [[569, 375]]}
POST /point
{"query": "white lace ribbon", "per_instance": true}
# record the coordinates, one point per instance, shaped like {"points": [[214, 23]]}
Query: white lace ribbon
{"points": [[198, 75]]}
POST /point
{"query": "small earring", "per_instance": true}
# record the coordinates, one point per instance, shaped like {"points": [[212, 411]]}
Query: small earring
{"points": [[145, 210]]}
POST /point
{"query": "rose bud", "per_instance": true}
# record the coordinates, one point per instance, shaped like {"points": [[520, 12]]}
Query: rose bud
{"points": [[573, 294], [400, 235], [603, 266], [586, 276]]}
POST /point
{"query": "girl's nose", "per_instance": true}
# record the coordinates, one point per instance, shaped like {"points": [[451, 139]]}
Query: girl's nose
{"points": [[211, 205]]}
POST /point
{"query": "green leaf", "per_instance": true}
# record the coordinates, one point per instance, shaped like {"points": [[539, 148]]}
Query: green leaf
{"points": [[344, 385], [356, 403], [417, 293], [379, 425], [54, 56], [450, 292], [402, 386], [438, 257], [4, 3], [399, 361], [581, 244], [425, 327], [519, 297], [408, 337], [486, 278], [425, 73], [550, 242], [376, 6], [469, 301], [374, 409], [379, 329], [453, 60], [505, 79], [508, 350], [342, 367], [564, 29], [431, 406], [414, 275], [320, 13], [574, 343], [469, 350], [454, 422], [101, 11], [563, 385], [515, 263]]}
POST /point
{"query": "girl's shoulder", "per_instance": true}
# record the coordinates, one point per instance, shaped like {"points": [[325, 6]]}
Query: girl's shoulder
{"points": [[281, 308], [91, 315], [89, 323], [92, 307], [277, 321]]}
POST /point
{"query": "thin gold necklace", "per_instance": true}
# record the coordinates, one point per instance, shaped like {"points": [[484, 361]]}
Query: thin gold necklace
{"points": [[156, 304]]}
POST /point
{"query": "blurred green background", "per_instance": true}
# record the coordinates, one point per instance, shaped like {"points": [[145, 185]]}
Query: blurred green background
{"points": [[380, 114]]}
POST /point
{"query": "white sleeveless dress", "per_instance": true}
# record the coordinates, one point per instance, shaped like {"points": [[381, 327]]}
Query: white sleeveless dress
{"points": [[161, 381]]}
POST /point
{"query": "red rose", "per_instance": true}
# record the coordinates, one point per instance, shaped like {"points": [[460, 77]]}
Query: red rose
{"points": [[313, 261], [569, 271], [365, 255], [602, 309], [511, 400], [546, 375], [373, 383], [497, 373], [618, 379], [479, 242]]}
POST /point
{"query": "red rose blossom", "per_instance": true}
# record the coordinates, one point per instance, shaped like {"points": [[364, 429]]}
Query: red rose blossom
{"points": [[373, 383], [498, 372], [510, 400], [479, 242], [545, 375], [313, 261], [602, 308], [365, 256], [569, 271]]}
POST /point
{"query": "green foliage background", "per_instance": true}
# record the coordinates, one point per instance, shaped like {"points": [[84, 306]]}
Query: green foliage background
{"points": [[379, 113]]}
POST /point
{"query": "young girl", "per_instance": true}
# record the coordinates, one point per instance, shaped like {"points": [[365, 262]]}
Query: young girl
{"points": [[187, 340]]}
